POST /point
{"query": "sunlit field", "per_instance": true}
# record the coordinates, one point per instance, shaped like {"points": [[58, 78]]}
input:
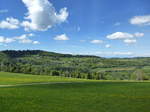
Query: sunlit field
{"points": [[16, 78], [71, 97]]}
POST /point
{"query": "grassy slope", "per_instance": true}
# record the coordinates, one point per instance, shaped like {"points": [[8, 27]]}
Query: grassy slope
{"points": [[77, 97], [18, 78], [15, 78]]}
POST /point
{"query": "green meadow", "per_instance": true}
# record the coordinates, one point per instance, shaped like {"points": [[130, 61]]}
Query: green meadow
{"points": [[89, 96], [16, 78]]}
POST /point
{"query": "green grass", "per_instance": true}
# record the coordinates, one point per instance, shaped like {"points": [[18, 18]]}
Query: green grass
{"points": [[77, 97], [16, 78], [72, 97]]}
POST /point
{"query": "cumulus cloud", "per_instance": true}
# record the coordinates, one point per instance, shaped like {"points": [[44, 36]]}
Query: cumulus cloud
{"points": [[97, 41], [61, 37], [119, 35], [42, 15], [9, 23], [5, 40], [126, 37], [25, 39], [21, 39], [140, 20]]}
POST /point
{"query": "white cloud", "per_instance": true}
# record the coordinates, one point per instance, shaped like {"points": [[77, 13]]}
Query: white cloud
{"points": [[3, 11], [42, 15], [5, 40], [9, 40], [9, 23], [26, 41], [36, 42], [108, 46], [61, 37], [140, 20], [130, 41], [2, 39], [31, 35], [21, 39], [126, 37], [24, 36], [138, 34], [96, 41], [119, 35]]}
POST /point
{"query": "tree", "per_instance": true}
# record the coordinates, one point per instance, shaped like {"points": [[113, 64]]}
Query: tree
{"points": [[89, 76], [139, 75], [55, 73]]}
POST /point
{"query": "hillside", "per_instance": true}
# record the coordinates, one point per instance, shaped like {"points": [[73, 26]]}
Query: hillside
{"points": [[78, 66]]}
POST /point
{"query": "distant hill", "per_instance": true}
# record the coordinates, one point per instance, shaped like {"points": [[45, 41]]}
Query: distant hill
{"points": [[19, 53], [80, 66]]}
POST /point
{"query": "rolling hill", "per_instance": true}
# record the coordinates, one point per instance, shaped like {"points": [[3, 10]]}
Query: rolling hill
{"points": [[77, 66]]}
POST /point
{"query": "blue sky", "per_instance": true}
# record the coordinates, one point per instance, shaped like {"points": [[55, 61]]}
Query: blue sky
{"points": [[108, 28]]}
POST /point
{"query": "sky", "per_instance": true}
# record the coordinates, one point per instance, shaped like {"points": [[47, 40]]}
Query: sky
{"points": [[107, 28]]}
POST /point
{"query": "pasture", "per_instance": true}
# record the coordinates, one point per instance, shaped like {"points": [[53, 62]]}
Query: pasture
{"points": [[89, 96], [18, 78]]}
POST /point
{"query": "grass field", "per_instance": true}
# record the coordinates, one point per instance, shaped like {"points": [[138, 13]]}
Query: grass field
{"points": [[72, 97], [15, 78]]}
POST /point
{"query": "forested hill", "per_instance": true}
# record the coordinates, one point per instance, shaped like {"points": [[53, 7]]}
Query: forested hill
{"points": [[23, 53], [78, 66]]}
